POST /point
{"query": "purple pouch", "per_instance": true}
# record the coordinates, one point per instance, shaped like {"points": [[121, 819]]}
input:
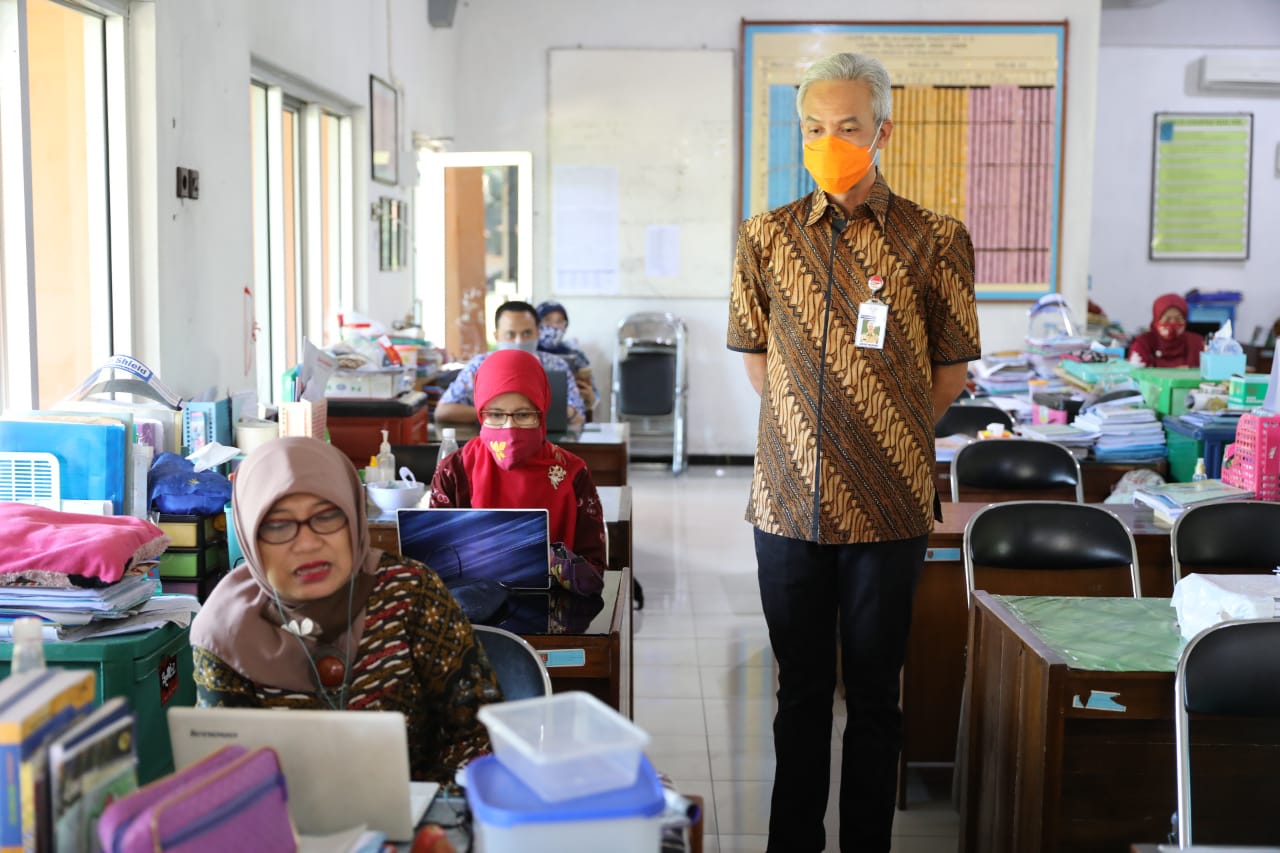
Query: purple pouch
{"points": [[212, 805], [574, 573]]}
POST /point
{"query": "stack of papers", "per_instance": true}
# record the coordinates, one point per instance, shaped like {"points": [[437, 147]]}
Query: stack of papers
{"points": [[1046, 353], [76, 613], [1002, 373], [1068, 435], [1172, 499], [1125, 433]]}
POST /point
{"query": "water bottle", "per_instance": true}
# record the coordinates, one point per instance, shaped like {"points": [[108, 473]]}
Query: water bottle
{"points": [[28, 645], [448, 444]]}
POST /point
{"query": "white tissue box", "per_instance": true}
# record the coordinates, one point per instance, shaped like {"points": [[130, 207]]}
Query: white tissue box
{"points": [[1203, 601]]}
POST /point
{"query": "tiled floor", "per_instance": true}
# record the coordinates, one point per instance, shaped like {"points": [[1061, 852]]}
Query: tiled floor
{"points": [[704, 674]]}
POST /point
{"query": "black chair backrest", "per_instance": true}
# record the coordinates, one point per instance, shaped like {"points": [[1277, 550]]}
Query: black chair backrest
{"points": [[969, 420], [1015, 464], [1233, 670], [648, 382], [1048, 535], [1237, 537]]}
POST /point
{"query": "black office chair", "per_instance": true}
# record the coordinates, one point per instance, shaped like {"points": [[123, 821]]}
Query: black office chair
{"points": [[1035, 469], [970, 420], [520, 670], [1049, 548], [1231, 537], [1229, 670]]}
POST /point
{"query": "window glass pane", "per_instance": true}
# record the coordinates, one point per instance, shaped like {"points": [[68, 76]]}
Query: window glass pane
{"points": [[330, 225], [259, 308], [68, 195]]}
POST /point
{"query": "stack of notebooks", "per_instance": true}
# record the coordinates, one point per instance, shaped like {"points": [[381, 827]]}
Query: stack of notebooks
{"points": [[1126, 433], [1077, 439], [1169, 501], [64, 760], [78, 613]]}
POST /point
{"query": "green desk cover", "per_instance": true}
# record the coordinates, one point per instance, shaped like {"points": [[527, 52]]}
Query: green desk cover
{"points": [[1103, 634]]}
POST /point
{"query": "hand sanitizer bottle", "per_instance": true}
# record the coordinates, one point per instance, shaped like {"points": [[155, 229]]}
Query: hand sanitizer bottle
{"points": [[386, 460], [448, 444], [1199, 473]]}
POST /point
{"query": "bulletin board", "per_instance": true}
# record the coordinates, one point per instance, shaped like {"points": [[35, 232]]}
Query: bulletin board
{"points": [[1200, 186], [642, 169], [978, 125]]}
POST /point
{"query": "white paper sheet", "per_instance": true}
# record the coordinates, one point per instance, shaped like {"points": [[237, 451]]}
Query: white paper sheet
{"points": [[662, 251], [585, 229]]}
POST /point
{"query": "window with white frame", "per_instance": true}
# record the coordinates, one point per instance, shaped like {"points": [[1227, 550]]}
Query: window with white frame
{"points": [[303, 219], [63, 196]]}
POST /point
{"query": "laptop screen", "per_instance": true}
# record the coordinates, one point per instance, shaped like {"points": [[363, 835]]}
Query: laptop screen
{"points": [[509, 546], [320, 753]]}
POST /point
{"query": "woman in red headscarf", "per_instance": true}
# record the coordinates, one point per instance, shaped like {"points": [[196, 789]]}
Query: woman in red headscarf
{"points": [[1168, 344], [512, 465]]}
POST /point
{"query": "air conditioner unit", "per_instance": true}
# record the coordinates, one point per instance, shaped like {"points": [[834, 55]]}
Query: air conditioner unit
{"points": [[1249, 72]]}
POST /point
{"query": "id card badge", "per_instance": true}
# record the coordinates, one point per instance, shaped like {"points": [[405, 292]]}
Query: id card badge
{"points": [[873, 317]]}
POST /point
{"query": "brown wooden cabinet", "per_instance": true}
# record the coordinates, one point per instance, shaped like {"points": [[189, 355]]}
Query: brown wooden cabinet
{"points": [[355, 426]]}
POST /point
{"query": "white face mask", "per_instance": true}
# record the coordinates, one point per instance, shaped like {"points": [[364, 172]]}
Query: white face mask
{"points": [[528, 346]]}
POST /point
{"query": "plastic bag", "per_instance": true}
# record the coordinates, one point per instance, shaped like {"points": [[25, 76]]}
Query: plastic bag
{"points": [[174, 486]]}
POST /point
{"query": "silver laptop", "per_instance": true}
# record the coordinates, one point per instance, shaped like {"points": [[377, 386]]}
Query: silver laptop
{"points": [[342, 768]]}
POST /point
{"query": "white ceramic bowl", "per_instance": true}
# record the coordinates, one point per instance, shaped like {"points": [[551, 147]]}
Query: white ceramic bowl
{"points": [[396, 495]]}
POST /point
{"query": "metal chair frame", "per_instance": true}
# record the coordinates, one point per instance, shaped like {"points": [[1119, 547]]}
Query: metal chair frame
{"points": [[1230, 669], [487, 635]]}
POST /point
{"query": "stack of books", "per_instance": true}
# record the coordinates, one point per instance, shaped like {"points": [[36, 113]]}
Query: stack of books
{"points": [[1125, 433], [1171, 500], [72, 613], [1077, 439], [1002, 373], [63, 760]]}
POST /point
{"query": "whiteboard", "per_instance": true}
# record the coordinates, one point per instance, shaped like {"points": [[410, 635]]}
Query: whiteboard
{"points": [[642, 172]]}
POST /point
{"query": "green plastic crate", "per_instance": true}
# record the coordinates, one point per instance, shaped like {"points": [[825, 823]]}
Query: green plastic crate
{"points": [[1165, 388], [153, 670]]}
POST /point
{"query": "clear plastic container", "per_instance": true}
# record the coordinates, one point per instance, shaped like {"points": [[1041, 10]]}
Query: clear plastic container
{"points": [[565, 746], [28, 645]]}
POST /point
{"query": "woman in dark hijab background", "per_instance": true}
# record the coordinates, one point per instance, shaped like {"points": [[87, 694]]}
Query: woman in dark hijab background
{"points": [[316, 618]]}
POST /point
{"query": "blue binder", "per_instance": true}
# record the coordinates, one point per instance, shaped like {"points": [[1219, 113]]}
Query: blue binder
{"points": [[91, 453]]}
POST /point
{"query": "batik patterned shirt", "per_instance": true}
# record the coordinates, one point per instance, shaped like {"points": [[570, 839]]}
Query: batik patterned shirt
{"points": [[845, 444], [417, 655]]}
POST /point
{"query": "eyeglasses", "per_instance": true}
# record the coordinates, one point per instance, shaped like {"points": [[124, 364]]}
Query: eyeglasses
{"points": [[524, 418], [278, 531]]}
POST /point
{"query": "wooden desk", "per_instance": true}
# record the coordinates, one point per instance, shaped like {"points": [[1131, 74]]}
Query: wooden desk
{"points": [[933, 676], [1198, 848], [1070, 734], [1099, 478], [603, 446]]}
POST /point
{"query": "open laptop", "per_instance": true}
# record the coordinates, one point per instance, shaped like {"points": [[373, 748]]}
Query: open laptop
{"points": [[558, 408], [509, 546], [342, 768]]}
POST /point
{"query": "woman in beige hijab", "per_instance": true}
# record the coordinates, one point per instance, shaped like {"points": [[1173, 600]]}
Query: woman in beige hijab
{"points": [[315, 618]]}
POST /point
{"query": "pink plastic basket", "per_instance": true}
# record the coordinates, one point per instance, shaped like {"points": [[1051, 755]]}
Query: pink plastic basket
{"points": [[1253, 462]]}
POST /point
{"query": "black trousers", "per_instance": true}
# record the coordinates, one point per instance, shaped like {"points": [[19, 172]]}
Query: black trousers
{"points": [[808, 591]]}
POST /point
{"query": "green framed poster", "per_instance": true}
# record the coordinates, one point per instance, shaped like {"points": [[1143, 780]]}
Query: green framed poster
{"points": [[1200, 169]]}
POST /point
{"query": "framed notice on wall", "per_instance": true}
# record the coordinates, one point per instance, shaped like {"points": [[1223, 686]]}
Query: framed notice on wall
{"points": [[1200, 170], [978, 128]]}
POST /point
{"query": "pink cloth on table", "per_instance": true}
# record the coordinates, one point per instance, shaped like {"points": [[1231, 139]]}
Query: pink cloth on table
{"points": [[35, 539]]}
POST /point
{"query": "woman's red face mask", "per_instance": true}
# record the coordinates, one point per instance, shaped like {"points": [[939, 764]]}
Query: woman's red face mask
{"points": [[1170, 330]]}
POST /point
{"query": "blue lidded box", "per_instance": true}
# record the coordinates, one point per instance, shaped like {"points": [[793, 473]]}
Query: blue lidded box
{"points": [[510, 817]]}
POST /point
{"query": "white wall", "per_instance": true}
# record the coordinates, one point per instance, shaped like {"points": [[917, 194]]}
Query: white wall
{"points": [[189, 300], [502, 105], [1147, 64]]}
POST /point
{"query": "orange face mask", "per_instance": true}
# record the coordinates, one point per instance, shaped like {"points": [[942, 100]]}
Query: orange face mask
{"points": [[837, 164]]}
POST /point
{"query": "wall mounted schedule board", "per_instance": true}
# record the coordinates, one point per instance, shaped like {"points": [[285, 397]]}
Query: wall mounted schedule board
{"points": [[978, 128], [1200, 186], [641, 150]]}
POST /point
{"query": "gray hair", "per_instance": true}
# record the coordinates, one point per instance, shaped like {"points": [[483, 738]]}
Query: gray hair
{"points": [[851, 66]]}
